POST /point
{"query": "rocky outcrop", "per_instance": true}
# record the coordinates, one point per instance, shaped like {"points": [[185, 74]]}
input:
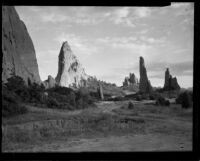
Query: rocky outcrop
{"points": [[100, 91], [70, 71], [50, 82], [131, 83], [18, 53], [170, 82], [131, 80], [145, 85]]}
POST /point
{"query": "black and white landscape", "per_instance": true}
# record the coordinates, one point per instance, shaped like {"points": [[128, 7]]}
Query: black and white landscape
{"points": [[78, 79]]}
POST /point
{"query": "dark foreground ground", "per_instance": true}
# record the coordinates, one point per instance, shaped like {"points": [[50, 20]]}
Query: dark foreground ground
{"points": [[106, 127]]}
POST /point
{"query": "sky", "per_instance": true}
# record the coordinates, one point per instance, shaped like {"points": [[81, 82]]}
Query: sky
{"points": [[108, 41]]}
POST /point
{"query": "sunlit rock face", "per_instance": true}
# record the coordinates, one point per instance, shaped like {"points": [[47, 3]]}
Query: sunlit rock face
{"points": [[50, 82], [145, 85], [18, 53], [170, 82], [70, 71]]}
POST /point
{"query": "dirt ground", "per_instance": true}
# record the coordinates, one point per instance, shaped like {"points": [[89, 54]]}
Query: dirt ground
{"points": [[164, 129]]}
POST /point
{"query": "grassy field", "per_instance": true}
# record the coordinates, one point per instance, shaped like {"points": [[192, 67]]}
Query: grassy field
{"points": [[107, 126]]}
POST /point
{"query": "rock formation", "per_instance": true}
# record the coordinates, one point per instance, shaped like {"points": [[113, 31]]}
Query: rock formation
{"points": [[100, 91], [170, 82], [145, 85], [50, 82], [18, 52], [131, 83], [70, 71], [131, 80]]}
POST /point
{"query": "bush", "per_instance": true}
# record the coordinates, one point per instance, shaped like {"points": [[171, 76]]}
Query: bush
{"points": [[185, 99], [161, 101], [52, 102], [152, 97], [144, 96], [83, 98], [167, 103], [138, 98], [130, 105], [36, 93], [17, 85], [61, 90], [11, 104]]}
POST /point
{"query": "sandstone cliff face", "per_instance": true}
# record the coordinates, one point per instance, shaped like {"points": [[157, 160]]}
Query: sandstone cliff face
{"points": [[17, 48], [170, 82], [70, 71], [145, 85]]}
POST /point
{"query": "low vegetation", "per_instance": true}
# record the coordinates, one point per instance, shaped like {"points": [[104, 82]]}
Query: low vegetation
{"points": [[185, 99], [15, 93], [11, 104]]}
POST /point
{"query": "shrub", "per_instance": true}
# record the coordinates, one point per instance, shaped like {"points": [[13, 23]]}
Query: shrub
{"points": [[17, 85], [36, 93], [11, 104], [152, 97], [144, 96], [130, 105], [167, 103], [161, 101], [83, 98], [138, 97], [185, 100], [61, 90], [52, 102]]}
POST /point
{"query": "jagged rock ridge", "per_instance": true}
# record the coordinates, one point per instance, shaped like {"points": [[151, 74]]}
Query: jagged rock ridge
{"points": [[145, 85], [170, 82], [18, 52], [70, 71]]}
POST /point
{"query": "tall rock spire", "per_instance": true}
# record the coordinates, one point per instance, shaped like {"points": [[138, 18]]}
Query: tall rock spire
{"points": [[145, 85], [70, 71]]}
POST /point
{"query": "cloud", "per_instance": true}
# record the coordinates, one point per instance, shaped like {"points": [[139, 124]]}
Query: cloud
{"points": [[53, 17], [177, 69], [80, 45], [142, 12], [180, 4]]}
